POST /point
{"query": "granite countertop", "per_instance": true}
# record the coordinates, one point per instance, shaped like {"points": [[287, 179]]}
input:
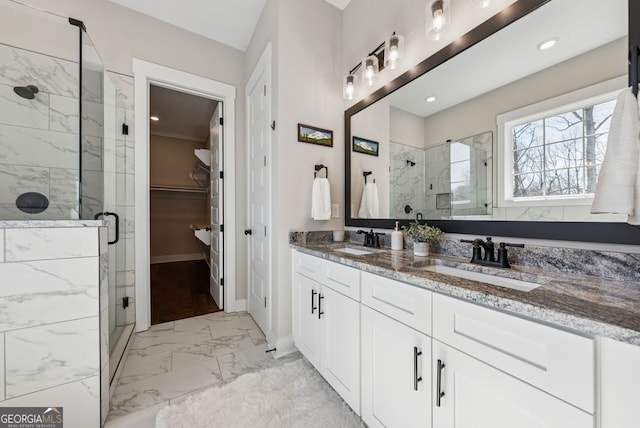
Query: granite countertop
{"points": [[26, 224], [589, 305]]}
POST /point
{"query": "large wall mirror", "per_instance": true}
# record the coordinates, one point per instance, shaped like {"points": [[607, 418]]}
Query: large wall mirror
{"points": [[494, 134]]}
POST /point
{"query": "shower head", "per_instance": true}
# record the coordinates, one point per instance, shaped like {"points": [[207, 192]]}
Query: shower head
{"points": [[28, 92], [410, 163]]}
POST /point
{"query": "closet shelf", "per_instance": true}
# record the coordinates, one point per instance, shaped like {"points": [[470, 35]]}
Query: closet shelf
{"points": [[183, 189], [202, 232], [204, 155]]}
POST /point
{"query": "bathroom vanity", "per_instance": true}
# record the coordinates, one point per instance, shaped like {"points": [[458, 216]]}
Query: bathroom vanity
{"points": [[407, 346]]}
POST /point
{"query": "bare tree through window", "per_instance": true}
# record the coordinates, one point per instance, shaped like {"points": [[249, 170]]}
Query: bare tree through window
{"points": [[560, 155]]}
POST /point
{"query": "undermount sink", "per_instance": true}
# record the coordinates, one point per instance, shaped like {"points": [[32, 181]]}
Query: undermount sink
{"points": [[500, 281], [354, 251]]}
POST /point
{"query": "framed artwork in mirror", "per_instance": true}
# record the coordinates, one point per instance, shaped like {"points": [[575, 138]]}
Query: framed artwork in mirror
{"points": [[314, 135], [367, 147]]}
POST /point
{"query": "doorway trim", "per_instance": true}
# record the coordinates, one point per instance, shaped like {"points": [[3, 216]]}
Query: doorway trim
{"points": [[146, 73]]}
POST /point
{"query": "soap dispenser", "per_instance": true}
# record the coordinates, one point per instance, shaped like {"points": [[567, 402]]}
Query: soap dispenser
{"points": [[397, 239]]}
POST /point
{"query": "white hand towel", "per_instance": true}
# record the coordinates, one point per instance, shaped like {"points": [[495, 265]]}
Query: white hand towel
{"points": [[320, 199], [369, 204], [618, 189]]}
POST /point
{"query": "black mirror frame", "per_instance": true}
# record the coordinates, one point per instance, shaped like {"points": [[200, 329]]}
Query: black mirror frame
{"points": [[615, 233]]}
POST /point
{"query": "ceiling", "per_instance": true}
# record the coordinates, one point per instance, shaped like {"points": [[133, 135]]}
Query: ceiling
{"points": [[181, 115], [512, 53], [224, 21]]}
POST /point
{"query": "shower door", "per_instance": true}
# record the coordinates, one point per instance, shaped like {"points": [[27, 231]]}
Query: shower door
{"points": [[100, 190]]}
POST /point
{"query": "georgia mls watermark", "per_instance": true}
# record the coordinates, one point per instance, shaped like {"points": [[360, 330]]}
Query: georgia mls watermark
{"points": [[31, 417]]}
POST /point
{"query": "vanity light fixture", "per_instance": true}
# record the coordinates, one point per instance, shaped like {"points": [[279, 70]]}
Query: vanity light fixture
{"points": [[370, 70], [547, 44], [480, 4], [438, 20], [389, 53], [154, 118], [393, 51], [430, 99]]}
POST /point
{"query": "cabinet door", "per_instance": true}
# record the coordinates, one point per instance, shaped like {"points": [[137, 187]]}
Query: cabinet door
{"points": [[479, 396], [389, 394], [306, 326], [340, 359]]}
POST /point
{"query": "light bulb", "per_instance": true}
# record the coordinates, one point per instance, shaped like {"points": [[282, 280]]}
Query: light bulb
{"points": [[438, 19], [393, 51], [349, 87], [370, 70]]}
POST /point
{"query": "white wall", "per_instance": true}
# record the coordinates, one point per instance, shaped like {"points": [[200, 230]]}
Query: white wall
{"points": [[406, 128], [306, 89]]}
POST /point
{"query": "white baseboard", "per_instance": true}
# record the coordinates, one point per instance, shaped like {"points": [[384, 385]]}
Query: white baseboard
{"points": [[284, 347], [241, 305], [176, 258]]}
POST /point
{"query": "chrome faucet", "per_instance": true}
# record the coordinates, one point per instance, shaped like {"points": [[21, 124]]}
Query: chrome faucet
{"points": [[489, 258]]}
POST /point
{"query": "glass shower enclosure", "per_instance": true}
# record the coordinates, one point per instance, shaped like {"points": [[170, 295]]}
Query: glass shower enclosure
{"points": [[59, 151]]}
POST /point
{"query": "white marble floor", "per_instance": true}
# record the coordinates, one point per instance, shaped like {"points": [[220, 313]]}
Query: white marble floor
{"points": [[173, 359]]}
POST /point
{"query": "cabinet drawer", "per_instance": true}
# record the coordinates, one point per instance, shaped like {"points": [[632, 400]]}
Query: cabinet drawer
{"points": [[553, 360], [406, 303], [343, 279], [309, 266]]}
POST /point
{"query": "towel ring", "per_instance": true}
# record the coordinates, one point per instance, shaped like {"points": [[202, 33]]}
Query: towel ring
{"points": [[319, 168], [365, 174]]}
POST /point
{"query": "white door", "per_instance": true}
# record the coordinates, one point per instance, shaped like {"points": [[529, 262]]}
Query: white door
{"points": [[217, 213], [340, 350], [306, 325], [479, 396], [259, 198], [396, 373]]}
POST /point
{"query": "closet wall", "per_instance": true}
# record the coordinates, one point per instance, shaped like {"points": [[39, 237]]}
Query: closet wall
{"points": [[177, 201]]}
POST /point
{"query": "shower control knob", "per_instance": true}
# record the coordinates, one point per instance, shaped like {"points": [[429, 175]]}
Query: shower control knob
{"points": [[247, 231]]}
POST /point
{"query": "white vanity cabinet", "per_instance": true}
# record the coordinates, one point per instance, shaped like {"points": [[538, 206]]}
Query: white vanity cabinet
{"points": [[396, 353], [498, 370], [619, 371], [475, 395], [326, 322]]}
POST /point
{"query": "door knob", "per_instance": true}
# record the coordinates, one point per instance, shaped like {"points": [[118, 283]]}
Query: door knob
{"points": [[247, 231]]}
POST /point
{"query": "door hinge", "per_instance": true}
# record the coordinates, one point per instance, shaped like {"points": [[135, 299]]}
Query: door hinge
{"points": [[265, 231], [125, 302], [265, 160], [221, 282], [125, 129], [221, 175], [265, 90], [222, 228], [265, 301], [221, 121]]}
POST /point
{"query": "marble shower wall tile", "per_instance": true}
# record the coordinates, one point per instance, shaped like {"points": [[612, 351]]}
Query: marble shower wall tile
{"points": [[124, 89], [33, 293], [19, 67], [54, 212], [81, 396], [63, 186], [18, 111], [41, 244], [38, 147], [17, 180], [42, 357], [1, 245], [63, 114]]}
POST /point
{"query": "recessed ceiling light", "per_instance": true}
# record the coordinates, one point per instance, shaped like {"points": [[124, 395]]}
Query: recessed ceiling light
{"points": [[430, 99], [154, 118], [547, 44]]}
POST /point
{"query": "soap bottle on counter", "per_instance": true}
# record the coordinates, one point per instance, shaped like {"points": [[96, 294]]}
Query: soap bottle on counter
{"points": [[397, 239]]}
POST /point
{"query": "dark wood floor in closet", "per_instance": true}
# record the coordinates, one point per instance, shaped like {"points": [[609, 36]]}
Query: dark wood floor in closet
{"points": [[180, 290]]}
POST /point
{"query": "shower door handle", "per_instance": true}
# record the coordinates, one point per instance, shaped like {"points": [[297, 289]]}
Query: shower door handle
{"points": [[117, 217]]}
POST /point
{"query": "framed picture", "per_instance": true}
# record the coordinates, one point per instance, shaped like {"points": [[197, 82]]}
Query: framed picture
{"points": [[368, 147], [313, 135]]}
